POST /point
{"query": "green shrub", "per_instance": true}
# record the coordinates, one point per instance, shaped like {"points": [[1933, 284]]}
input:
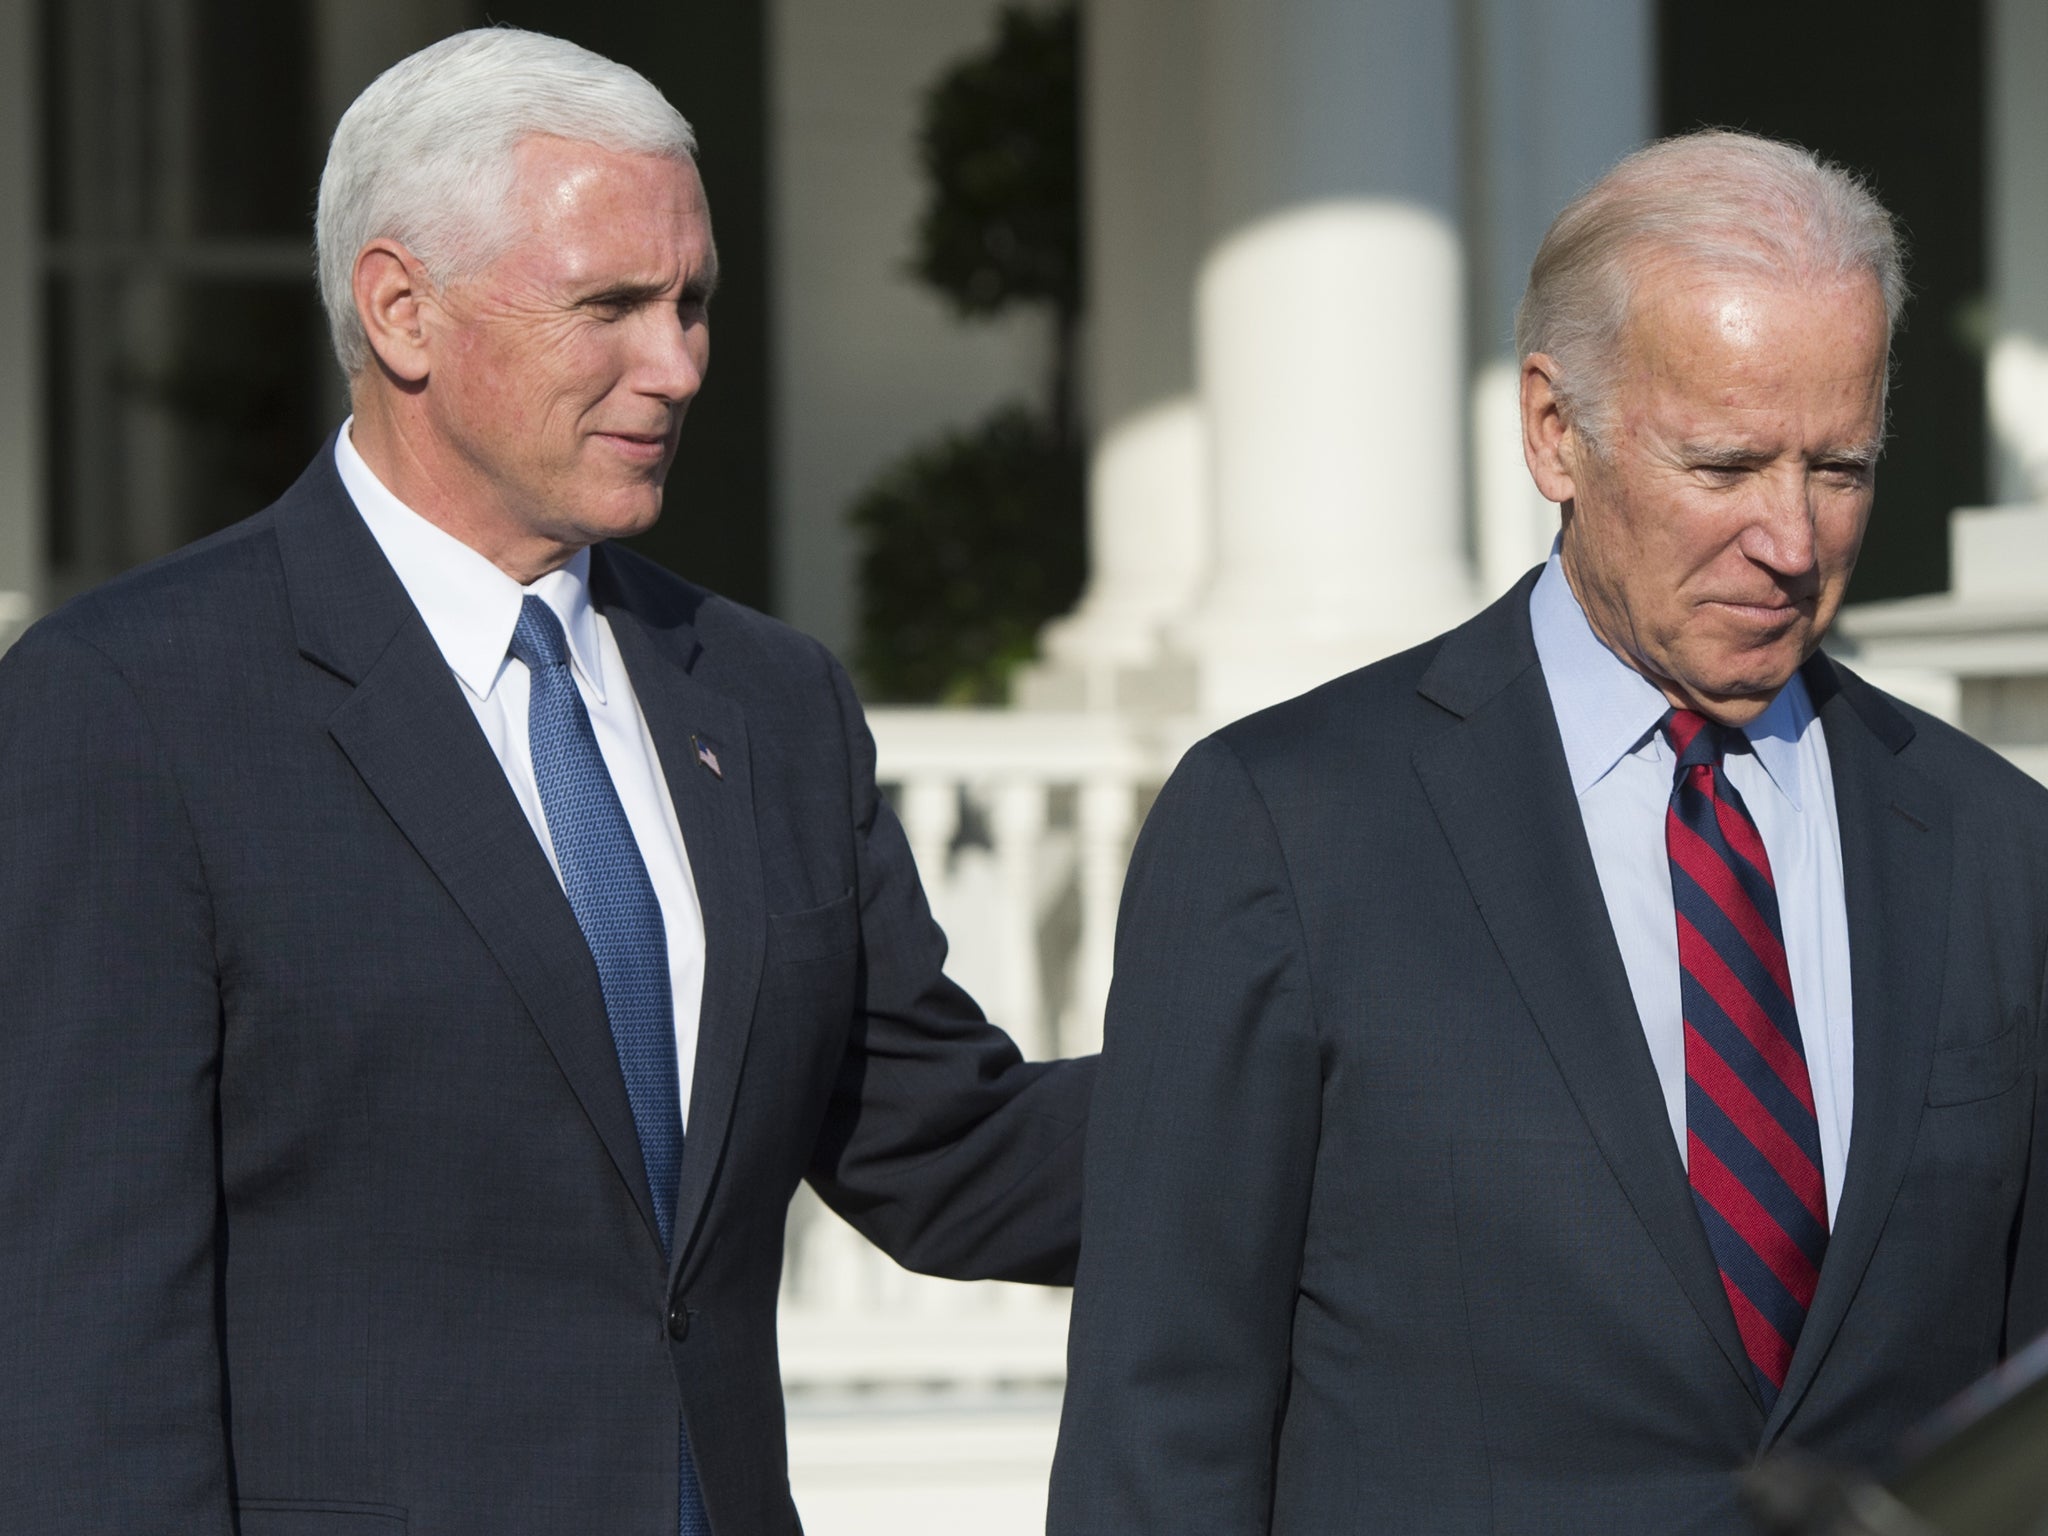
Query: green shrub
{"points": [[968, 547]]}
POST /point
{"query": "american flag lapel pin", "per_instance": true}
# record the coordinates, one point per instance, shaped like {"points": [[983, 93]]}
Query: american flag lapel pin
{"points": [[707, 754]]}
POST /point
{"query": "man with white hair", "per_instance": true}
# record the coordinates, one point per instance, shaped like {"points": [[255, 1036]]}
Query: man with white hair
{"points": [[1554, 1066], [434, 943]]}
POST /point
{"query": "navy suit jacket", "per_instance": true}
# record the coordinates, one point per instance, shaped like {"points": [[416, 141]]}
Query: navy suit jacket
{"points": [[321, 1209], [1386, 1230]]}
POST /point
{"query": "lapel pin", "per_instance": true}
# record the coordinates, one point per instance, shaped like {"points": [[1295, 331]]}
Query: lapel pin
{"points": [[707, 754]]}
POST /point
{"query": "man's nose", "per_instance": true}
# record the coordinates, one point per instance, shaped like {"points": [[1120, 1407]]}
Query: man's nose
{"points": [[1782, 534], [673, 351]]}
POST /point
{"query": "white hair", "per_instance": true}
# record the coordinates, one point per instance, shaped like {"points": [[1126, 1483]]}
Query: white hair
{"points": [[1716, 201], [424, 155]]}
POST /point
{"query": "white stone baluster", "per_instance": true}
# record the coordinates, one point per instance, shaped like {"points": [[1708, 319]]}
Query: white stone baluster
{"points": [[1017, 823], [931, 811], [1107, 810]]}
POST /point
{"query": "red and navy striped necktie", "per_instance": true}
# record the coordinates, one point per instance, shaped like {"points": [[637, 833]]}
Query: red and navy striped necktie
{"points": [[1752, 1142]]}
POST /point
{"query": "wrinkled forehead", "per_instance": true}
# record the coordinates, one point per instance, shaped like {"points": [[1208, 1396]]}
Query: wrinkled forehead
{"points": [[569, 203], [547, 171], [1730, 291], [1685, 317]]}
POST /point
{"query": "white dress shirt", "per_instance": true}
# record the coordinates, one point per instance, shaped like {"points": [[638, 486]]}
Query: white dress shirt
{"points": [[1621, 769], [470, 608]]}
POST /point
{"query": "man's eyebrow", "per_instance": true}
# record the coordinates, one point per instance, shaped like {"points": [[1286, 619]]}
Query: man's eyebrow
{"points": [[625, 293], [699, 289], [1731, 456], [1721, 456], [1861, 455]]}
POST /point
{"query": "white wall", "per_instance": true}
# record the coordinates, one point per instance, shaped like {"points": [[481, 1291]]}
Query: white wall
{"points": [[867, 361]]}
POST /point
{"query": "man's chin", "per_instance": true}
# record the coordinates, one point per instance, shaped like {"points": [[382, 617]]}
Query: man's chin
{"points": [[1738, 698], [622, 517]]}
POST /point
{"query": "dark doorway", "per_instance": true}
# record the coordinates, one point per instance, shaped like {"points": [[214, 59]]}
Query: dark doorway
{"points": [[1896, 93], [184, 353]]}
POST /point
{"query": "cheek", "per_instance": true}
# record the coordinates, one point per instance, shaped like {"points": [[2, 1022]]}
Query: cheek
{"points": [[568, 379], [1838, 533], [490, 377]]}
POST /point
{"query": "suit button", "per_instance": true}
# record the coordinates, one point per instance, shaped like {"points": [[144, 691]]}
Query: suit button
{"points": [[678, 1321]]}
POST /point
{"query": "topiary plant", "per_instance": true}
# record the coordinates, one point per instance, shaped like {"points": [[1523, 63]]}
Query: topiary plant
{"points": [[1001, 144], [970, 545]]}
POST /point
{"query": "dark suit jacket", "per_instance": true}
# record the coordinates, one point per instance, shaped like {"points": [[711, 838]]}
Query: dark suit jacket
{"points": [[320, 1198], [1386, 1230]]}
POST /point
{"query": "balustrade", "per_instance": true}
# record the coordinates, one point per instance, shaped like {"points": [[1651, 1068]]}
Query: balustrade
{"points": [[1021, 824]]}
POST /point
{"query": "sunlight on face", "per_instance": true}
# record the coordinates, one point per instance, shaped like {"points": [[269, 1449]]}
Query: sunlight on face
{"points": [[568, 362], [1711, 540]]}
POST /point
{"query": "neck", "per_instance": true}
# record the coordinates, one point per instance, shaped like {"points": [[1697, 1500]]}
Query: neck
{"points": [[434, 479]]}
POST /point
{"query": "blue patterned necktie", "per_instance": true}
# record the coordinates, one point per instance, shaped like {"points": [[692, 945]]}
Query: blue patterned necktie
{"points": [[1752, 1138], [615, 906]]}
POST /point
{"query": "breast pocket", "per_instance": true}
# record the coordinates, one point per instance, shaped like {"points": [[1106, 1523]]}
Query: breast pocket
{"points": [[1975, 1070], [318, 1517], [815, 933]]}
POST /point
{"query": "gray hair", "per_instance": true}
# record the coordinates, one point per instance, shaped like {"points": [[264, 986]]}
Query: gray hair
{"points": [[424, 155], [1716, 201]]}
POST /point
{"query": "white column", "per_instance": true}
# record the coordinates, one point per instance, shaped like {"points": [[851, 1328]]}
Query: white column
{"points": [[1561, 89], [21, 379], [1329, 341], [2017, 144], [1148, 545]]}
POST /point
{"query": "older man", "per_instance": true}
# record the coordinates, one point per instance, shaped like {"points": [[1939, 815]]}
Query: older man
{"points": [[1552, 1066], [434, 943]]}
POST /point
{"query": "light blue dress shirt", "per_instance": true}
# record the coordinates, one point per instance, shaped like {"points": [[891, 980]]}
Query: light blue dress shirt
{"points": [[1621, 769]]}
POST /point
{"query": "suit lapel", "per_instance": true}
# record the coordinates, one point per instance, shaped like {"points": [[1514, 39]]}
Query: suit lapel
{"points": [[412, 738], [1896, 850], [716, 813], [1497, 780]]}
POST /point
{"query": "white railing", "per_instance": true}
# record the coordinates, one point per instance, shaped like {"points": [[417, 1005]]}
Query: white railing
{"points": [[1977, 654], [1021, 823]]}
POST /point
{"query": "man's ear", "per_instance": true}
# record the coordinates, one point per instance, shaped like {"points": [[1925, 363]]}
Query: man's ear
{"points": [[391, 290], [1549, 446]]}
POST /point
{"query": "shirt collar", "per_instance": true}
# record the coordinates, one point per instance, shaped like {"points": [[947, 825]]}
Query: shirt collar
{"points": [[1605, 708], [469, 605]]}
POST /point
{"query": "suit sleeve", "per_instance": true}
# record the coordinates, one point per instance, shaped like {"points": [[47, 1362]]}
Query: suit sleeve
{"points": [[112, 1414], [942, 1145], [1201, 1155]]}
